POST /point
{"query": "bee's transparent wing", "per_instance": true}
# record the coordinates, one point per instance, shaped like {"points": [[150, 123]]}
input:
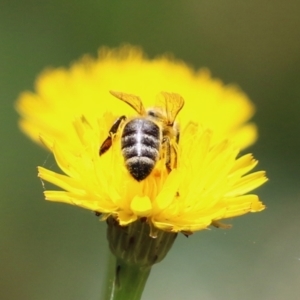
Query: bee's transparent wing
{"points": [[134, 101], [172, 103]]}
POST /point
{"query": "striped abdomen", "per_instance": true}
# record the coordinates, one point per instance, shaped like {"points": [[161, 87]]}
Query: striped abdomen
{"points": [[140, 144]]}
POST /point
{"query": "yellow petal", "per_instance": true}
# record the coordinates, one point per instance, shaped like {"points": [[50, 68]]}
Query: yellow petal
{"points": [[141, 206]]}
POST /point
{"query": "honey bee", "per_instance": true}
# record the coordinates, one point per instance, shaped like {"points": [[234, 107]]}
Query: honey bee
{"points": [[146, 138]]}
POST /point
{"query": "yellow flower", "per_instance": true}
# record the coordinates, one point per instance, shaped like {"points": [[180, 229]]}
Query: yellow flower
{"points": [[72, 112]]}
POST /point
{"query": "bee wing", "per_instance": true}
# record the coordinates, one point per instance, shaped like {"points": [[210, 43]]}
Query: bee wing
{"points": [[134, 101], [172, 103]]}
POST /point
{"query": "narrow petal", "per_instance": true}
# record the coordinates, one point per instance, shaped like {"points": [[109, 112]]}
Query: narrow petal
{"points": [[141, 206], [65, 182], [247, 183]]}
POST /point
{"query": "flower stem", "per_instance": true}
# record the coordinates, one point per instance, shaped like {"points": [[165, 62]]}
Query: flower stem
{"points": [[129, 281], [108, 285]]}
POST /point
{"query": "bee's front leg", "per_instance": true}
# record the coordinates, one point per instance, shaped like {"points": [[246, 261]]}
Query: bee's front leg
{"points": [[113, 130]]}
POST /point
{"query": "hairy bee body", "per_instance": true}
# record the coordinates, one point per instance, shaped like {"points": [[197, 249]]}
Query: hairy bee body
{"points": [[140, 144], [146, 138]]}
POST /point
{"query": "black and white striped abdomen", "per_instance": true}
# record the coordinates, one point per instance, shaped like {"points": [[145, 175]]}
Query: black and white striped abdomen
{"points": [[140, 144]]}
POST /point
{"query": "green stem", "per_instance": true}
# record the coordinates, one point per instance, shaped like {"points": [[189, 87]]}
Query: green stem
{"points": [[129, 281], [109, 278]]}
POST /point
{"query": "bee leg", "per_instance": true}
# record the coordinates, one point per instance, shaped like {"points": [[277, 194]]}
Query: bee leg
{"points": [[177, 137], [113, 130], [175, 148], [175, 156], [167, 146]]}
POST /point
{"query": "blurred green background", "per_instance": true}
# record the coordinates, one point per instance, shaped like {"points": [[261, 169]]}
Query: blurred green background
{"points": [[59, 252]]}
